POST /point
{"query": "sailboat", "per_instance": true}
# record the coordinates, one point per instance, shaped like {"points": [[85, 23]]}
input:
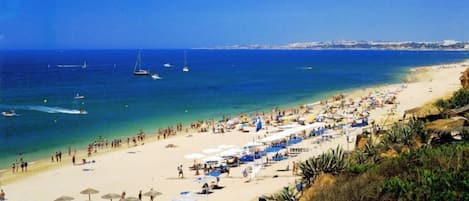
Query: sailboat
{"points": [[138, 64], [167, 65], [185, 68]]}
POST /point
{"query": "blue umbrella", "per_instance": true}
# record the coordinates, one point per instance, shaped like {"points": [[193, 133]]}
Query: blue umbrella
{"points": [[214, 173], [204, 179]]}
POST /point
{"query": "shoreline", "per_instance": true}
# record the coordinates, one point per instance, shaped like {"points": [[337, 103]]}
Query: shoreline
{"points": [[324, 96], [44, 166]]}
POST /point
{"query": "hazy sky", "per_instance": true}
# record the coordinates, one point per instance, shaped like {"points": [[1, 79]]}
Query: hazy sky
{"points": [[208, 23]]}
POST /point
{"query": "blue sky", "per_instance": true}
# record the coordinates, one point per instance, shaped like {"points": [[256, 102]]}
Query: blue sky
{"points": [[52, 24]]}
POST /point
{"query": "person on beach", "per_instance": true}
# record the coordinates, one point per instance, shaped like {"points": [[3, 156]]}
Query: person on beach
{"points": [[52, 158], [2, 195], [73, 159], [180, 172], [140, 195], [13, 167], [26, 166]]}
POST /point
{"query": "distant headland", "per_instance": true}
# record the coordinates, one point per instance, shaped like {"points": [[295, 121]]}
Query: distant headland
{"points": [[445, 45]]}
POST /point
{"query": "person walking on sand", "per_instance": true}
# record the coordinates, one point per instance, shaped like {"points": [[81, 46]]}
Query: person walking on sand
{"points": [[2, 195], [180, 172], [73, 159], [140, 195]]}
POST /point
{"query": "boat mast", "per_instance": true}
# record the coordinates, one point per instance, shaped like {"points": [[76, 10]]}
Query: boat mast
{"points": [[185, 59], [137, 63]]}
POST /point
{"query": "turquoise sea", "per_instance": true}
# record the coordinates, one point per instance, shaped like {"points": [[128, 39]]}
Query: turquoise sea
{"points": [[220, 82]]}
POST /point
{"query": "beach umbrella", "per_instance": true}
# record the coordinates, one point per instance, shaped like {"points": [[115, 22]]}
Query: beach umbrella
{"points": [[225, 146], [231, 152], [64, 198], [111, 196], [212, 159], [252, 144], [152, 193], [205, 179], [131, 199], [194, 156], [88, 192], [214, 173], [211, 150]]}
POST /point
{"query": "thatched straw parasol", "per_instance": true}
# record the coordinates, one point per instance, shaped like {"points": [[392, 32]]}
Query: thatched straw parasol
{"points": [[89, 191], [111, 196], [64, 198], [131, 199]]}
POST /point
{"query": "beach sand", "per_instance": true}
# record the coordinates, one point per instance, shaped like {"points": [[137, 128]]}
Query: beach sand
{"points": [[155, 166]]}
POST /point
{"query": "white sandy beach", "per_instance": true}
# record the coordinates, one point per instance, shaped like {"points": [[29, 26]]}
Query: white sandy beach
{"points": [[154, 166]]}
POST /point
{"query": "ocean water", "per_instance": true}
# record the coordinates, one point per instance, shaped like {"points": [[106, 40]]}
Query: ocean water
{"points": [[220, 82]]}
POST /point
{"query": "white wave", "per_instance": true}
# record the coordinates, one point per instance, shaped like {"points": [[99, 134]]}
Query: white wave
{"points": [[46, 109]]}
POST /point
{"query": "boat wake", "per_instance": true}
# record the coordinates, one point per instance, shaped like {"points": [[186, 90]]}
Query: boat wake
{"points": [[45, 109]]}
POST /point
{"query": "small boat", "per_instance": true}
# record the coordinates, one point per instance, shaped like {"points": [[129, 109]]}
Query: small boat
{"points": [[140, 71], [10, 113], [84, 65], [167, 65], [82, 111], [78, 96], [308, 68], [185, 68], [156, 77]]}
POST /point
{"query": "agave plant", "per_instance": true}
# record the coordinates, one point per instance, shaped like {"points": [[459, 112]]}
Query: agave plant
{"points": [[287, 194], [332, 162]]}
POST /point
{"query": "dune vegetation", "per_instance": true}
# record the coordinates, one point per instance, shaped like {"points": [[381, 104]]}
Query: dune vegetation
{"points": [[416, 158]]}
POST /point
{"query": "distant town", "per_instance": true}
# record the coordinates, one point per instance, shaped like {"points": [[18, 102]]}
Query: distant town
{"points": [[449, 45]]}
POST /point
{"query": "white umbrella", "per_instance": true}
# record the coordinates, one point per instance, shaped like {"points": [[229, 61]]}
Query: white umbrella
{"points": [[205, 179], [212, 158], [194, 156], [253, 144], [225, 146], [211, 150], [231, 152]]}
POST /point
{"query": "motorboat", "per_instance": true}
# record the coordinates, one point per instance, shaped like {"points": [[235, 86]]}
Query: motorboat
{"points": [[82, 111], [78, 96], [10, 113], [167, 65], [156, 77]]}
